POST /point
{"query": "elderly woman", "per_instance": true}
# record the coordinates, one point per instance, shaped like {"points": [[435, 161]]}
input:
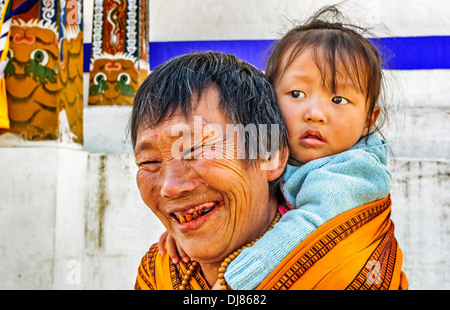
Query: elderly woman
{"points": [[211, 144], [213, 187]]}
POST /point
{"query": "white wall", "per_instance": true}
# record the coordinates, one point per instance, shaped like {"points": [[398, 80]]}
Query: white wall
{"points": [[421, 209], [72, 218]]}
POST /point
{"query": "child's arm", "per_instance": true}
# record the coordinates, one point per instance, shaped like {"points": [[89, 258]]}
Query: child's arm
{"points": [[337, 185], [176, 252]]}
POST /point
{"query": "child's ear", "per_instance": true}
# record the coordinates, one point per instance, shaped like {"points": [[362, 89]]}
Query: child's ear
{"points": [[370, 121], [276, 164]]}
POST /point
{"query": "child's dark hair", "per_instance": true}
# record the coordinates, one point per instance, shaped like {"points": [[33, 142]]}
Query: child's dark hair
{"points": [[335, 45]]}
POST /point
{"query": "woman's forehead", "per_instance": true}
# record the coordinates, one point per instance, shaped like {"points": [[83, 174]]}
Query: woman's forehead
{"points": [[204, 112]]}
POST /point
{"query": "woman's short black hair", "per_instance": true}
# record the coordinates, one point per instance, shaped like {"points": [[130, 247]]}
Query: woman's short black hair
{"points": [[246, 95]]}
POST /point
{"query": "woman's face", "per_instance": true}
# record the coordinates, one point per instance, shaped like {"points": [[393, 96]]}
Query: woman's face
{"points": [[211, 206]]}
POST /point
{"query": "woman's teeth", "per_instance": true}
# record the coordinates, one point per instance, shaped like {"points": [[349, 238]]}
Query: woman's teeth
{"points": [[192, 216]]}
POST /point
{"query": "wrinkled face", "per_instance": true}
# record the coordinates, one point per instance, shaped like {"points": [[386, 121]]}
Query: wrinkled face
{"points": [[211, 206], [320, 123]]}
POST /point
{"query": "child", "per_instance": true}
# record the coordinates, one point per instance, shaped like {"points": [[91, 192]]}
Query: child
{"points": [[327, 78]]}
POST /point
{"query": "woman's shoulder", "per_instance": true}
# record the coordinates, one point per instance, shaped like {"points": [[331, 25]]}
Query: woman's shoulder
{"points": [[146, 272]]}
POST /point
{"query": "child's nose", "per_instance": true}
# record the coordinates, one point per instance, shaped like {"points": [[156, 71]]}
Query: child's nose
{"points": [[316, 112]]}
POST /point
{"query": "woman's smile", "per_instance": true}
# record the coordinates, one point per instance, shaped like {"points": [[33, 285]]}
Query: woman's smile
{"points": [[194, 213], [195, 218]]}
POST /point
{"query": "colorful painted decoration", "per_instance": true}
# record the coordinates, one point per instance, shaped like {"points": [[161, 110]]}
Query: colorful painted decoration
{"points": [[119, 55], [44, 75], [5, 26]]}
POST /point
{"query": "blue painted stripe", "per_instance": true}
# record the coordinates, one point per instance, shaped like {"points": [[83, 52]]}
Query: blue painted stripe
{"points": [[417, 53], [252, 51], [403, 53]]}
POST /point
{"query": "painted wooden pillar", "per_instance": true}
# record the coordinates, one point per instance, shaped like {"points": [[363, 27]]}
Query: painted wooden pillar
{"points": [[44, 75], [119, 54]]}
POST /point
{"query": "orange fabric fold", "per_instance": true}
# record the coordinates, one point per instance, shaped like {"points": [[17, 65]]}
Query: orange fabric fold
{"points": [[356, 251], [158, 272]]}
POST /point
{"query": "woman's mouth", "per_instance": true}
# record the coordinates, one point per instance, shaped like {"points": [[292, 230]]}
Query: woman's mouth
{"points": [[195, 213]]}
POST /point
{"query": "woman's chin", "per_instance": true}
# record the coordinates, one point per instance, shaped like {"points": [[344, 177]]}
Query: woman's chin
{"points": [[209, 250]]}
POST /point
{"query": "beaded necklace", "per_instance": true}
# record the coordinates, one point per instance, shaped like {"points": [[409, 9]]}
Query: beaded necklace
{"points": [[223, 267]]}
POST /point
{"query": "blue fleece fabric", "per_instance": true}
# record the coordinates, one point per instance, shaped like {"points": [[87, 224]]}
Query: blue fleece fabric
{"points": [[319, 191]]}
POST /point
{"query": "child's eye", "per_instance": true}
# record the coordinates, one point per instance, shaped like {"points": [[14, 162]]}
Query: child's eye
{"points": [[297, 94], [339, 100]]}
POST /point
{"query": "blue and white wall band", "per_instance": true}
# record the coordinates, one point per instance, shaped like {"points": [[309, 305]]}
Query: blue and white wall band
{"points": [[404, 53]]}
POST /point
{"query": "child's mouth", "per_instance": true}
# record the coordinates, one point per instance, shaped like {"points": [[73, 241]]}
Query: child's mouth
{"points": [[312, 138]]}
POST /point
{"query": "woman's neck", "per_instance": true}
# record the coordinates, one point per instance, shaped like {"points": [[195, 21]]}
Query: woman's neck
{"points": [[210, 272]]}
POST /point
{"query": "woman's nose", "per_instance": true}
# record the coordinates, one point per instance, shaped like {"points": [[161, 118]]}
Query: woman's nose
{"points": [[177, 180]]}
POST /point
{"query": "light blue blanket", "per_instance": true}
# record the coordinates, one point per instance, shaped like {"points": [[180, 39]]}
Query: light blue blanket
{"points": [[318, 190]]}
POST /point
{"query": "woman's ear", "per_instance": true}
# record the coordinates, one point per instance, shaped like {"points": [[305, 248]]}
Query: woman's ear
{"points": [[276, 164], [370, 121]]}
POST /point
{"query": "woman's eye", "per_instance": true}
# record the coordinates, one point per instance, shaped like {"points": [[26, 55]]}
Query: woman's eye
{"points": [[194, 152], [297, 94], [339, 100], [150, 165]]}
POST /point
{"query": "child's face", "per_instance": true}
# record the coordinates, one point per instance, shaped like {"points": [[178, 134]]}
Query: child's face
{"points": [[320, 123]]}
